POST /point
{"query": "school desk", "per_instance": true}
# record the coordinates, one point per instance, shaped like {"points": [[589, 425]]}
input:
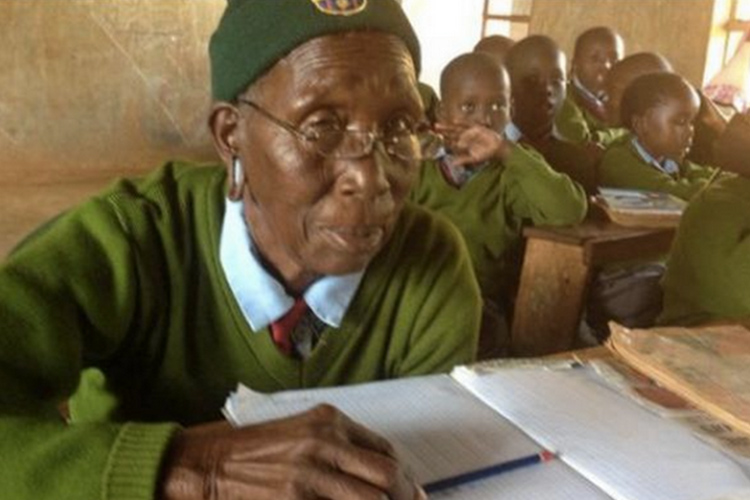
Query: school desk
{"points": [[557, 268]]}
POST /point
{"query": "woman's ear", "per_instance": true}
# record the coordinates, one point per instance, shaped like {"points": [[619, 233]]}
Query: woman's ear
{"points": [[223, 124]]}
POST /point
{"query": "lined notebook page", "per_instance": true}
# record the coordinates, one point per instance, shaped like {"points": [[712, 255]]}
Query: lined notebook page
{"points": [[629, 452], [439, 429]]}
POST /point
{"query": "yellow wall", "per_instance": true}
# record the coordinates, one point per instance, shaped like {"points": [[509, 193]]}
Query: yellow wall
{"points": [[94, 87], [679, 29]]}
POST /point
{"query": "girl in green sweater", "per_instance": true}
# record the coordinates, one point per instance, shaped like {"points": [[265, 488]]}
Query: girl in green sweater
{"points": [[659, 109]]}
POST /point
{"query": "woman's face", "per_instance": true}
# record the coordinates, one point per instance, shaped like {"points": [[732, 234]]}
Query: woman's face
{"points": [[311, 215]]}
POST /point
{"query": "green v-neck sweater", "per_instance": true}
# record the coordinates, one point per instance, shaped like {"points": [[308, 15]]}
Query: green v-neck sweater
{"points": [[623, 167], [130, 283], [491, 209], [579, 126]]}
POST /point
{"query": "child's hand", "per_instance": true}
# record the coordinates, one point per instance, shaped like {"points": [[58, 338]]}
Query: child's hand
{"points": [[473, 144]]}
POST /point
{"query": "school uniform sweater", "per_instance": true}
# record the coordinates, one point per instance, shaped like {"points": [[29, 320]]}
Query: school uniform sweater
{"points": [[491, 209], [708, 271], [131, 283], [623, 167], [579, 126]]}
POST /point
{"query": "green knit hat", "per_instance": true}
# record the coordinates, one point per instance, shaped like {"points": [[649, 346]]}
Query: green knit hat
{"points": [[254, 34]]}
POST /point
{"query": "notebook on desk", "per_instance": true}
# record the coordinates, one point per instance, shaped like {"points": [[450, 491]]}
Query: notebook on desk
{"points": [[444, 425], [633, 207]]}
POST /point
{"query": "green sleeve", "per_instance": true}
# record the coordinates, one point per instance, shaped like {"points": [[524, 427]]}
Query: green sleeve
{"points": [[607, 136], [59, 306], [621, 167], [708, 271], [539, 193]]}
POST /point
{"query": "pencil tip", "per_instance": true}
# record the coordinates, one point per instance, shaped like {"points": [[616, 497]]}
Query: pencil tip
{"points": [[547, 455]]}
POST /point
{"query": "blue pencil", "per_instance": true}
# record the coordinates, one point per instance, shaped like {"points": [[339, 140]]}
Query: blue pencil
{"points": [[492, 470]]}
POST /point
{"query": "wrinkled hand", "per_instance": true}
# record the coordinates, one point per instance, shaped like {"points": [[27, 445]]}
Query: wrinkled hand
{"points": [[473, 144], [318, 454]]}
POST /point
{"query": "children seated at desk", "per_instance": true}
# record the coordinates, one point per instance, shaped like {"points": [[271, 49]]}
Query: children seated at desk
{"points": [[659, 110], [708, 271], [489, 202], [537, 72], [582, 118]]}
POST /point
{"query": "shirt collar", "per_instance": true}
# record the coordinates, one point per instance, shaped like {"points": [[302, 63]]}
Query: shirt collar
{"points": [[667, 165], [586, 93], [260, 296], [513, 133]]}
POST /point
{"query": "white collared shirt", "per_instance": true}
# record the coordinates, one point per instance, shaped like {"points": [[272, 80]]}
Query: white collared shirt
{"points": [[260, 296], [586, 92], [668, 166]]}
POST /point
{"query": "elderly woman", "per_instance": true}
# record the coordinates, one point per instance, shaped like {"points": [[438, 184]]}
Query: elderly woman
{"points": [[297, 263]]}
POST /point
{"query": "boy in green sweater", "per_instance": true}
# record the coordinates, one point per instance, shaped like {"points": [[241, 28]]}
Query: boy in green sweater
{"points": [[295, 263], [659, 110], [489, 188], [536, 66], [582, 118]]}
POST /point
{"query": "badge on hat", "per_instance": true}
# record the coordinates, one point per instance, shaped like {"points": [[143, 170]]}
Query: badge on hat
{"points": [[340, 7]]}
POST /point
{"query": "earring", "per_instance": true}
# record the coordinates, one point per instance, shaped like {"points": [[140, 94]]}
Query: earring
{"points": [[238, 174]]}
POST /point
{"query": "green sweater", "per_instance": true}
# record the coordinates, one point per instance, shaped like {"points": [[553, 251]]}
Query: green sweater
{"points": [[130, 283], [491, 209], [623, 167], [579, 126], [708, 272]]}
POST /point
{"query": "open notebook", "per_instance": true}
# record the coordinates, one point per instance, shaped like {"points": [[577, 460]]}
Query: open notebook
{"points": [[444, 425]]}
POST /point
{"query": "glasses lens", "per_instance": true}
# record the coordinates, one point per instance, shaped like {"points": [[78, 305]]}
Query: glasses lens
{"points": [[404, 145], [328, 142]]}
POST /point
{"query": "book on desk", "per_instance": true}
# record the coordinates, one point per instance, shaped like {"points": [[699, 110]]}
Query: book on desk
{"points": [[633, 207], [445, 426]]}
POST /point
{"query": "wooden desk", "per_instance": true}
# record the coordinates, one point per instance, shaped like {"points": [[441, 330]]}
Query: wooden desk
{"points": [[556, 272]]}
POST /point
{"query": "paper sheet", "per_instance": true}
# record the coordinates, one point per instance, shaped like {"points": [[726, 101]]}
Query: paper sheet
{"points": [[629, 452], [439, 429]]}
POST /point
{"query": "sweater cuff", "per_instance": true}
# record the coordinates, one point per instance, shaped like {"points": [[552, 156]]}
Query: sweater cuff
{"points": [[133, 466]]}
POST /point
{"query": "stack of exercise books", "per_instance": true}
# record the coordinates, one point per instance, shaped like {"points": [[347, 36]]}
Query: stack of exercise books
{"points": [[707, 366]]}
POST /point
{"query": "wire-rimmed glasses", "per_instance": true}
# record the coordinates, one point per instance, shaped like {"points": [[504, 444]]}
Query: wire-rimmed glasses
{"points": [[408, 143]]}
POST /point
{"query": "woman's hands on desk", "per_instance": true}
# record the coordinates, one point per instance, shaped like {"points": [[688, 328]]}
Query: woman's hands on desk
{"points": [[318, 454]]}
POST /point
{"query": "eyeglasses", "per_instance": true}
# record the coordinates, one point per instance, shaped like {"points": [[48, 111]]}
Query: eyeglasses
{"points": [[404, 141]]}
